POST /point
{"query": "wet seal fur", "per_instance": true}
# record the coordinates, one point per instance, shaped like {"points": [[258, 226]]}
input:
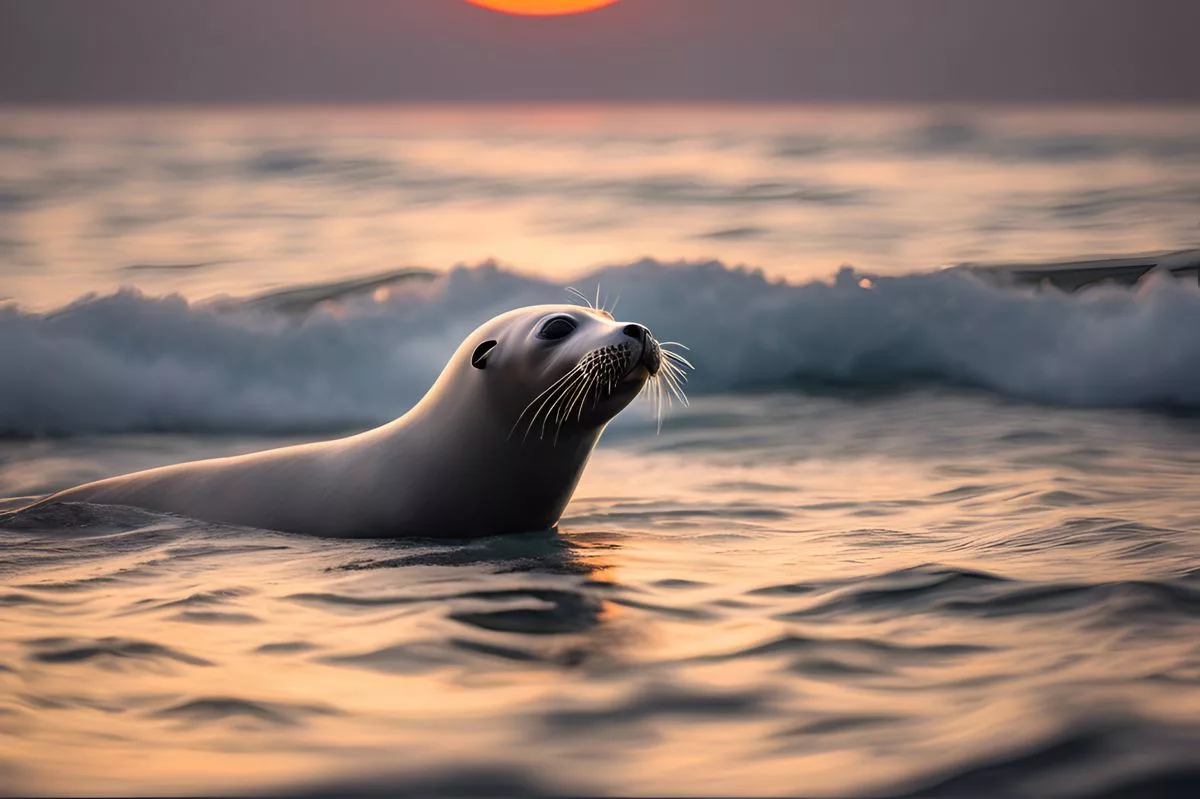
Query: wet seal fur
{"points": [[497, 445]]}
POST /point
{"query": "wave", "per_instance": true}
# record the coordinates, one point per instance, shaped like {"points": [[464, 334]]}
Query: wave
{"points": [[975, 136], [363, 351]]}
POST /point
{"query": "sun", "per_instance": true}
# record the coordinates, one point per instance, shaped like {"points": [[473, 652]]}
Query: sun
{"points": [[542, 8]]}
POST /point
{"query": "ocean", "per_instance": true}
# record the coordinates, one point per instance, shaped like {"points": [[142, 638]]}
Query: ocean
{"points": [[916, 534]]}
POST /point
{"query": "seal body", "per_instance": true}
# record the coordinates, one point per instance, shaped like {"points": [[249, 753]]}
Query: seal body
{"points": [[497, 445]]}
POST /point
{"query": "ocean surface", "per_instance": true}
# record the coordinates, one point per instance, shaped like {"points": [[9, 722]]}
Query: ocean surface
{"points": [[231, 202], [916, 534]]}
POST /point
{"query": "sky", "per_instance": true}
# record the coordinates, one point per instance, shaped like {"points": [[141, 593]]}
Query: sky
{"points": [[322, 51]]}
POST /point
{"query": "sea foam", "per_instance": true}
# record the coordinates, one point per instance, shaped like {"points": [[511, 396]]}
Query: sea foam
{"points": [[130, 362]]}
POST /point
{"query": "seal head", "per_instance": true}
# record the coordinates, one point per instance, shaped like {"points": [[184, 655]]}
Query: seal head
{"points": [[561, 368]]}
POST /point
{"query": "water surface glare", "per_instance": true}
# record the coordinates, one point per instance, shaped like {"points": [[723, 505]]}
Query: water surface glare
{"points": [[781, 594], [210, 202]]}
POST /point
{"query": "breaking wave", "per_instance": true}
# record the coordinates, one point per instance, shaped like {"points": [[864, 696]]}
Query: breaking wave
{"points": [[360, 352]]}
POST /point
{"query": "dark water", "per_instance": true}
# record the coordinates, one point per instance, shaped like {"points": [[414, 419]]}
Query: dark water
{"points": [[828, 593]]}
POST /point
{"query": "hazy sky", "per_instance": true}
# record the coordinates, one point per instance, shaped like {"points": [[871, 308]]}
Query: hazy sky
{"points": [[741, 50]]}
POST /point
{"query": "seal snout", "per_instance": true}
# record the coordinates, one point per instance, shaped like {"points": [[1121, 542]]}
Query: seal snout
{"points": [[651, 353], [651, 356]]}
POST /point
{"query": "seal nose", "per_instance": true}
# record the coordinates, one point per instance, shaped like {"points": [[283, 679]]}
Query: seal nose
{"points": [[636, 332]]}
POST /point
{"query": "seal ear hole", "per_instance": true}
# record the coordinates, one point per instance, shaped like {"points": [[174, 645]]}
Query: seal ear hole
{"points": [[480, 357]]}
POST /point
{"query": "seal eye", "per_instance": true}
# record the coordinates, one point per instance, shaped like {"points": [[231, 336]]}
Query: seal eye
{"points": [[557, 328]]}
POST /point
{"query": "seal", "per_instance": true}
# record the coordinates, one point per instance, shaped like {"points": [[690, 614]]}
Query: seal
{"points": [[497, 445]]}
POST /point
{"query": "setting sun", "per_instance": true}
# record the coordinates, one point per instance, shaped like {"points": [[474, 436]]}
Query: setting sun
{"points": [[542, 7]]}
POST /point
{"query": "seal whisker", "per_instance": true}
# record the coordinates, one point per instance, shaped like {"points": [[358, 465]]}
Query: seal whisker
{"points": [[652, 388], [674, 356], [552, 386], [577, 375], [678, 374], [576, 293], [580, 394], [658, 389], [593, 390], [603, 378], [673, 383], [675, 368], [560, 387], [566, 400], [564, 408]]}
